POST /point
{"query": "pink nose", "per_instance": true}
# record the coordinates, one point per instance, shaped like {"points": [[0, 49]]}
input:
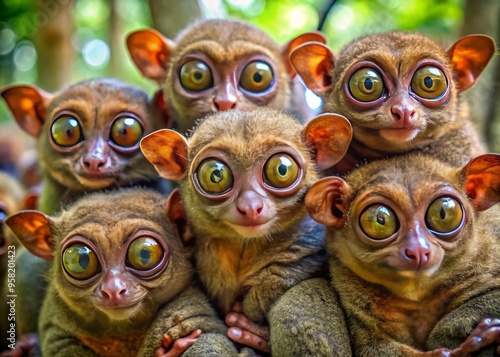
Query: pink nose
{"points": [[94, 164], [222, 105], [114, 288], [250, 205], [403, 114]]}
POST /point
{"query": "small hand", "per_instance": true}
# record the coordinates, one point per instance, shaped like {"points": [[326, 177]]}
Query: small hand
{"points": [[26, 346], [245, 331], [170, 348], [486, 333], [444, 352]]}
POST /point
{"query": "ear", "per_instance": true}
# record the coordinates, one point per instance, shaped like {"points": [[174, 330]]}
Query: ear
{"points": [[327, 203], [150, 52], [330, 135], [314, 63], [175, 213], [482, 181], [28, 106], [160, 104], [33, 229], [167, 150], [469, 56], [30, 199], [314, 36]]}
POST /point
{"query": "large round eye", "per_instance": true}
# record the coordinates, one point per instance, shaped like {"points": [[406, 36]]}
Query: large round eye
{"points": [[429, 82], [126, 131], [281, 171], [214, 176], [256, 77], [366, 85], [444, 215], [80, 261], [66, 131], [195, 76], [379, 222], [144, 253]]}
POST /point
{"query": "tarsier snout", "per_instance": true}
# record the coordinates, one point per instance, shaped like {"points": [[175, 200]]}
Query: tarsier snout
{"points": [[250, 206], [404, 112], [114, 290], [417, 253]]}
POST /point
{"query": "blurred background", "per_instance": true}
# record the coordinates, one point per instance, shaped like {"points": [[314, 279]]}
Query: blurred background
{"points": [[52, 43]]}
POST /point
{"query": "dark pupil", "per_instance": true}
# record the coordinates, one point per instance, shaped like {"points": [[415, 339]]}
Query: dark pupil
{"points": [[145, 256], [84, 261], [368, 84], [428, 82], [282, 170], [198, 75], [380, 219], [70, 133], [257, 77], [124, 131], [442, 213], [216, 176]]}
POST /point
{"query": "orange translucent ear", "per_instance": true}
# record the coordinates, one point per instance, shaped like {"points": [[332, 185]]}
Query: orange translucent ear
{"points": [[313, 36], [314, 62], [482, 181], [32, 228], [330, 135], [175, 213], [470, 56], [28, 106], [167, 150], [326, 201], [150, 51]]}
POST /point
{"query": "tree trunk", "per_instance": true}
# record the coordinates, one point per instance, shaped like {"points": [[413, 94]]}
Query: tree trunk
{"points": [[481, 17], [116, 43], [53, 44], [171, 16]]}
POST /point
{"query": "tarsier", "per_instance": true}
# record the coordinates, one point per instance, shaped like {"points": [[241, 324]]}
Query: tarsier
{"points": [[216, 65], [120, 279], [402, 92], [414, 254], [87, 139], [243, 177]]}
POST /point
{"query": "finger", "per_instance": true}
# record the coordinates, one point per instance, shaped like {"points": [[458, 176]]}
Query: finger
{"points": [[248, 339], [160, 351], [491, 335], [167, 342], [237, 307], [180, 346], [244, 323]]}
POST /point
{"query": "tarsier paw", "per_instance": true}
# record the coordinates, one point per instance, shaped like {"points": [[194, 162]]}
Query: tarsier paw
{"points": [[245, 331], [170, 348], [486, 333], [26, 346]]}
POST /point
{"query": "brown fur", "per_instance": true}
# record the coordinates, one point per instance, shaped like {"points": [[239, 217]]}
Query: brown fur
{"points": [[72, 322], [393, 314]]}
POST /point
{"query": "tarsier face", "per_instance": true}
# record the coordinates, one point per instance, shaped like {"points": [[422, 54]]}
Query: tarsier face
{"points": [[401, 221], [217, 65], [245, 174], [394, 87], [91, 132]]}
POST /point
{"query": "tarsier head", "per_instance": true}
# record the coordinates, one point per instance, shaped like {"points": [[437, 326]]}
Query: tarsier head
{"points": [[397, 222], [116, 253], [216, 65], [88, 134], [394, 87], [245, 174]]}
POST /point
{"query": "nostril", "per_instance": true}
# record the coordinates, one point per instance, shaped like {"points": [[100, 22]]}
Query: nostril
{"points": [[216, 106], [105, 295], [243, 213], [233, 106], [409, 254], [396, 114], [259, 210], [123, 292], [87, 164], [100, 164]]}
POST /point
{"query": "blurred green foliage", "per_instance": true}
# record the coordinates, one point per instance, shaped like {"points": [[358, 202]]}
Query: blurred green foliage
{"points": [[282, 19]]}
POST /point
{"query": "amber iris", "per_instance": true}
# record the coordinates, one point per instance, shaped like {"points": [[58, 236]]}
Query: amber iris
{"points": [[66, 131], [195, 76], [144, 253], [444, 215], [214, 176], [378, 221], [366, 85], [80, 261], [429, 82], [126, 131], [256, 77], [281, 171]]}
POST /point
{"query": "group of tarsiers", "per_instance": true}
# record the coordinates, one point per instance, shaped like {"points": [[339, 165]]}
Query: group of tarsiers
{"points": [[219, 218]]}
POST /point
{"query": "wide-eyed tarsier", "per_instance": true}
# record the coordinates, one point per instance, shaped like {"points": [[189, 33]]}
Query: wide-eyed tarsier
{"points": [[87, 139], [402, 92], [243, 177], [120, 279], [216, 65], [415, 254]]}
